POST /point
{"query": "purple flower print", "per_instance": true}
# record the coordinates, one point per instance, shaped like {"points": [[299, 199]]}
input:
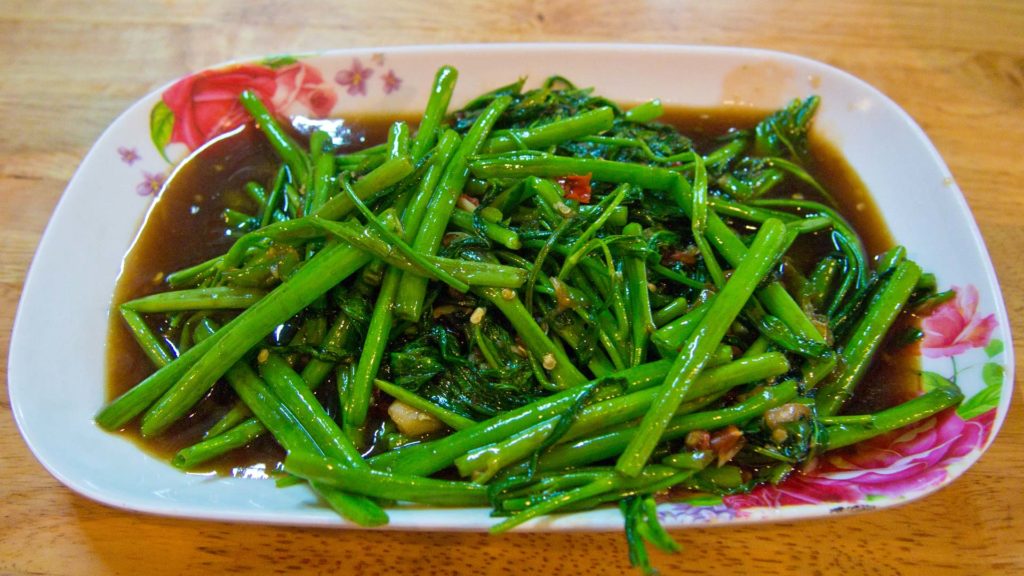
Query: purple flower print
{"points": [[391, 82], [128, 155], [684, 513], [151, 183], [354, 78]]}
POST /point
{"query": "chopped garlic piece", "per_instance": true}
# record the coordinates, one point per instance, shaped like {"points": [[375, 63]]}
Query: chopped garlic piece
{"points": [[478, 315], [412, 422]]}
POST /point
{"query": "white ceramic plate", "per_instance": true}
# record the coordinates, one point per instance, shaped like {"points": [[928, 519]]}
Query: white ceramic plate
{"points": [[57, 350]]}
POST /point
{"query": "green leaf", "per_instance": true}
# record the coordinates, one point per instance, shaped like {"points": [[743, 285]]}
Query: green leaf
{"points": [[992, 374], [930, 381], [995, 346], [279, 61], [988, 398], [980, 403], [161, 126]]}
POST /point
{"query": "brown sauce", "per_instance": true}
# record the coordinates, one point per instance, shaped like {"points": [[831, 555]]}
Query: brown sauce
{"points": [[185, 226]]}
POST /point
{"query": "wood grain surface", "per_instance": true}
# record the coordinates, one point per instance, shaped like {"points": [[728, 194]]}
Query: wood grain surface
{"points": [[67, 69]]}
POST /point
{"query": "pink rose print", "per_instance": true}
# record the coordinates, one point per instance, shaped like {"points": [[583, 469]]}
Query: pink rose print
{"points": [[128, 155], [206, 104], [954, 327], [391, 82], [354, 78], [304, 84], [151, 183], [889, 465]]}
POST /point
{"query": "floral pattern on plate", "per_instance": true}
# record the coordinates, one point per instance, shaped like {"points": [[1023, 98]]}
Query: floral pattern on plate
{"points": [[899, 465], [911, 460], [202, 106]]}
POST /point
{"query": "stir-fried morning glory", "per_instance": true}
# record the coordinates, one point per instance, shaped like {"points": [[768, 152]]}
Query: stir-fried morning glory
{"points": [[541, 302]]}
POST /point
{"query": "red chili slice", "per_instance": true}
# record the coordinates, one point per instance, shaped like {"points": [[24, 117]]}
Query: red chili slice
{"points": [[576, 187]]}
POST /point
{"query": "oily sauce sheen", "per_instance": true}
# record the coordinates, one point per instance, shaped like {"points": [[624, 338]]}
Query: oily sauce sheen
{"points": [[185, 226]]}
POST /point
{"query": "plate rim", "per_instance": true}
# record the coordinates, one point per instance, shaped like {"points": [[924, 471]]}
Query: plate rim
{"points": [[95, 493]]}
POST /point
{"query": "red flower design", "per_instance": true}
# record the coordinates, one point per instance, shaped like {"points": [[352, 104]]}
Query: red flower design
{"points": [[354, 78], [954, 327], [206, 104], [304, 84], [391, 82]]}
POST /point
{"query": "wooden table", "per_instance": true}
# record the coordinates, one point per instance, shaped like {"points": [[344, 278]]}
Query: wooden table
{"points": [[68, 69]]}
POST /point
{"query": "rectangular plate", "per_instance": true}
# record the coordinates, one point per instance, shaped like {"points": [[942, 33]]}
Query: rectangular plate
{"points": [[57, 373]]}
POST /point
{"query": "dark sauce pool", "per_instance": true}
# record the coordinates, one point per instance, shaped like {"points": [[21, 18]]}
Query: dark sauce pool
{"points": [[185, 226]]}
